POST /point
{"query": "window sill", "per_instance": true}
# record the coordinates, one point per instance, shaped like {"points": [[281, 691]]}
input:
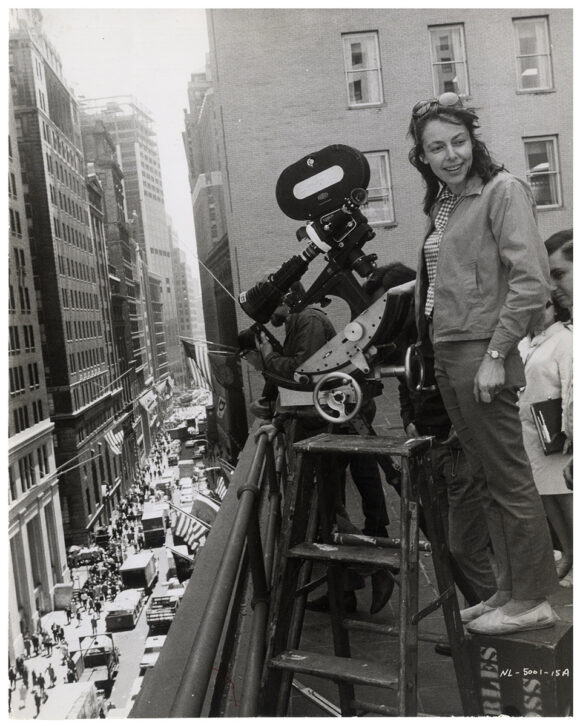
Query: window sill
{"points": [[534, 91], [383, 225], [549, 207], [364, 107]]}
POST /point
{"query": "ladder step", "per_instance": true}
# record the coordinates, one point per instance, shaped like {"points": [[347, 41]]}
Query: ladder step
{"points": [[360, 554], [378, 628], [355, 671]]}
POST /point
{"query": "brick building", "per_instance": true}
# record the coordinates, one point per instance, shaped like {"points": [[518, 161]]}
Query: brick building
{"points": [[203, 147], [310, 78], [70, 269], [131, 128], [37, 558]]}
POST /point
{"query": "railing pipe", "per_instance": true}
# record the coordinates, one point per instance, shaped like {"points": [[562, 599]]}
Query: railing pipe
{"points": [[261, 605], [198, 669]]}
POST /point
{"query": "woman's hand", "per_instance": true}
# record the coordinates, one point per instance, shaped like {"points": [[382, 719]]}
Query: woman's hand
{"points": [[489, 379], [569, 474]]}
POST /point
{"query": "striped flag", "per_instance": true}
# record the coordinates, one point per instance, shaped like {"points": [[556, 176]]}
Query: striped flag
{"points": [[199, 364], [220, 488], [115, 441], [189, 529]]}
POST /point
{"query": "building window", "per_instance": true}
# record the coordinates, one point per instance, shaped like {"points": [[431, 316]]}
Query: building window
{"points": [[449, 60], [379, 208], [364, 81], [533, 57], [33, 377], [14, 340], [29, 344], [543, 171]]}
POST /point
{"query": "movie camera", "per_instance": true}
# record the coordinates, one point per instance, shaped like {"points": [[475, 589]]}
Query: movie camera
{"points": [[327, 190]]}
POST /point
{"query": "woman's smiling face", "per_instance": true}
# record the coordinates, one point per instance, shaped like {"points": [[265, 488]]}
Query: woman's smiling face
{"points": [[448, 150]]}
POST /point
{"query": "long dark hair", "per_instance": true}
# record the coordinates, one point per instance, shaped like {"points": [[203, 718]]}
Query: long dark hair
{"points": [[483, 164]]}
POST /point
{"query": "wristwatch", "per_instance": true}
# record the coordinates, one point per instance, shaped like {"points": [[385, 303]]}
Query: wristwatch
{"points": [[492, 353]]}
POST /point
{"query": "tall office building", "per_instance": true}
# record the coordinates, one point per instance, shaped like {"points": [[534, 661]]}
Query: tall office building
{"points": [[37, 557], [128, 316], [131, 128], [315, 77], [202, 140], [68, 262]]}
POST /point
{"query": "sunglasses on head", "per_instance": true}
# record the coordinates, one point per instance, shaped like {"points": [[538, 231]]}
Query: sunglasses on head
{"points": [[447, 100]]}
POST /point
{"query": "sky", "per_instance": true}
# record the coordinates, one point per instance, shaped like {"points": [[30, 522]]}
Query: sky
{"points": [[143, 52]]}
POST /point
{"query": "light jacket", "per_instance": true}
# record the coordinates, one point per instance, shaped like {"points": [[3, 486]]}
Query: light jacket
{"points": [[492, 277]]}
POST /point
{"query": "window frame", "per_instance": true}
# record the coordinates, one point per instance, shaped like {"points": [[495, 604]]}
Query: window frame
{"points": [[384, 154], [435, 63], [517, 55], [374, 34], [557, 172]]}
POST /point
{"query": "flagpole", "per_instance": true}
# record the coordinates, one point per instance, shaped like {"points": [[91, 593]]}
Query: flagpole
{"points": [[188, 515]]}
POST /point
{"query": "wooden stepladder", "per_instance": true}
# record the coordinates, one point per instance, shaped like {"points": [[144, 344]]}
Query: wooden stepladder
{"points": [[309, 535]]}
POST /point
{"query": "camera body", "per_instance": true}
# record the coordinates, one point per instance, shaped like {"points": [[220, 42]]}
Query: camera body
{"points": [[326, 190]]}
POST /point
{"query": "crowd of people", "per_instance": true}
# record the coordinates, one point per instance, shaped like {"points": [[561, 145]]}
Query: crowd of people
{"points": [[47, 648], [487, 286]]}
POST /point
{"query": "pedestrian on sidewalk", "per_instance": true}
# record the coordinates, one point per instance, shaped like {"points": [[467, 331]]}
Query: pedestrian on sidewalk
{"points": [[89, 604], [63, 651], [19, 664], [34, 678], [94, 623], [24, 675], [84, 598], [37, 701], [68, 613], [27, 645], [12, 676], [79, 618], [51, 675], [41, 683], [35, 643], [48, 644], [23, 693]]}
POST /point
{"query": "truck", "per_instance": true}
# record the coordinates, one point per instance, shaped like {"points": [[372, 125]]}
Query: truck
{"points": [[154, 523], [78, 700], [100, 658], [140, 571], [163, 607], [123, 613]]}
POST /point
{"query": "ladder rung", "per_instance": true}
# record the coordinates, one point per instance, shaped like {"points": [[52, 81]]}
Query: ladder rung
{"points": [[353, 624], [359, 554], [355, 671]]}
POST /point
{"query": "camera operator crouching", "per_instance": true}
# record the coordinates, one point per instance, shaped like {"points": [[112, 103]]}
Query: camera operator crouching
{"points": [[307, 331]]}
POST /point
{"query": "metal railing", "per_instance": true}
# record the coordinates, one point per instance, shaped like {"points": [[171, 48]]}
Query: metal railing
{"points": [[251, 539]]}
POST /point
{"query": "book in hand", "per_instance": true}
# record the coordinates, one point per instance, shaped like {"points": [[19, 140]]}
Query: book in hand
{"points": [[548, 420]]}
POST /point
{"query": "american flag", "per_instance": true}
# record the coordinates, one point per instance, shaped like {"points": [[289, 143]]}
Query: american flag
{"points": [[220, 488], [198, 364], [188, 528]]}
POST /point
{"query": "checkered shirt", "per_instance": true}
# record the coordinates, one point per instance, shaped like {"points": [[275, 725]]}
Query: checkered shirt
{"points": [[431, 248]]}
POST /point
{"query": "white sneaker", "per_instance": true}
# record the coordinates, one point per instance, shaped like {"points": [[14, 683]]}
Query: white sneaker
{"points": [[473, 612]]}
